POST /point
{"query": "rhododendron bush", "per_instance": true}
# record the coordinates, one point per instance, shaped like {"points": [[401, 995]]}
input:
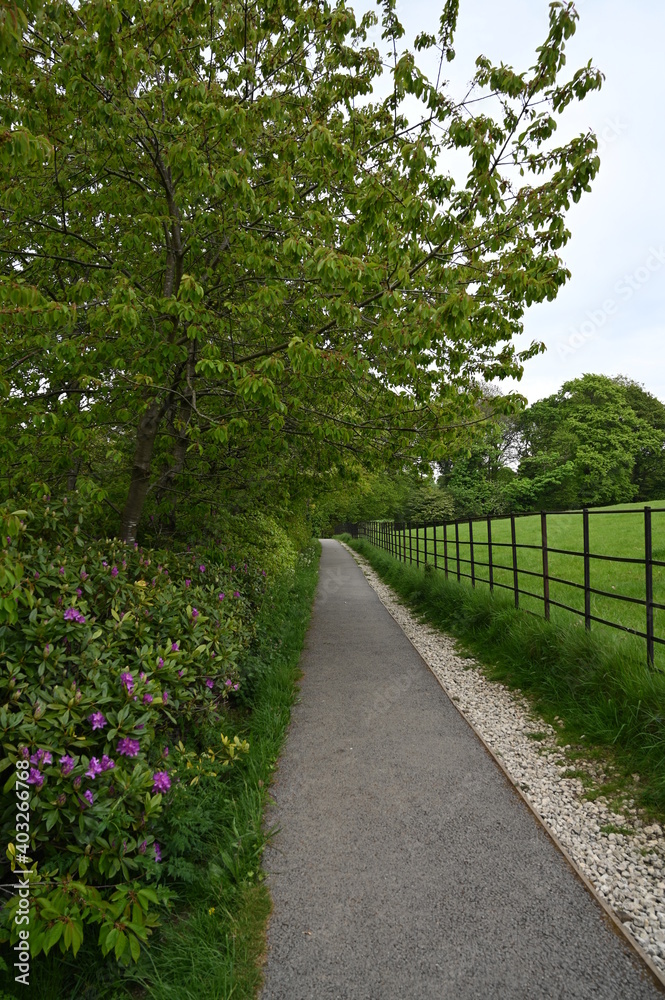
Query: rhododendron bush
{"points": [[112, 655]]}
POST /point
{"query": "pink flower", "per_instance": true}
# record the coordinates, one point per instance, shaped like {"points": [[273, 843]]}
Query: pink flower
{"points": [[114, 571], [94, 769], [128, 747], [67, 765], [161, 781], [72, 615], [35, 778], [228, 682], [97, 720], [235, 687]]}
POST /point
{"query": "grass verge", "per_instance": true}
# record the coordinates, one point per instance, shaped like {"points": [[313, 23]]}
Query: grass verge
{"points": [[213, 944], [599, 686]]}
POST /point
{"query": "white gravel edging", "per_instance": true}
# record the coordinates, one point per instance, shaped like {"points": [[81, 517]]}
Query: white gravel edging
{"points": [[627, 870]]}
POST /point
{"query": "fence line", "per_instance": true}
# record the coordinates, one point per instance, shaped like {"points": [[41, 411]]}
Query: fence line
{"points": [[411, 542]]}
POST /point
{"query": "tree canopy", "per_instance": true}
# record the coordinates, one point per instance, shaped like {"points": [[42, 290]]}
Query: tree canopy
{"points": [[225, 266]]}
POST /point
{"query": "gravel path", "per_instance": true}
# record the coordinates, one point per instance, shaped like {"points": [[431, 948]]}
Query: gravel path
{"points": [[627, 869], [404, 865]]}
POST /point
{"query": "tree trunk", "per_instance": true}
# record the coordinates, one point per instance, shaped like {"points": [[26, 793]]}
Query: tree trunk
{"points": [[138, 487]]}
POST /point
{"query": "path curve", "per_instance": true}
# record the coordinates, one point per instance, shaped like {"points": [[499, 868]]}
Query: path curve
{"points": [[405, 866]]}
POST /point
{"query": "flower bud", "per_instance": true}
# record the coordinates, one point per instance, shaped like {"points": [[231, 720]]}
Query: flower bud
{"points": [[38, 710]]}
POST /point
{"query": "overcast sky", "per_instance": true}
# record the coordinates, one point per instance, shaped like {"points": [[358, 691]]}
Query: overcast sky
{"points": [[610, 317]]}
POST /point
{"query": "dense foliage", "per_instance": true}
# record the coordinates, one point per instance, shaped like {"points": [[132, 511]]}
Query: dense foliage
{"points": [[118, 663], [223, 267]]}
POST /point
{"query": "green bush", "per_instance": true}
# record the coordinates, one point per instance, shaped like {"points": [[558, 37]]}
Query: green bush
{"points": [[112, 656]]}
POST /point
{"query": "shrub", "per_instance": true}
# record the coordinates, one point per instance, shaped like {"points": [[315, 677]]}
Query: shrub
{"points": [[111, 656]]}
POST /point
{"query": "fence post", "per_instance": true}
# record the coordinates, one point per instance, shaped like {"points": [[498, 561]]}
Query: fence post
{"points": [[489, 553], [546, 564], [417, 545], [513, 538], [459, 577], [435, 556], [410, 545], [473, 571], [648, 567], [445, 549], [587, 570], [425, 539]]}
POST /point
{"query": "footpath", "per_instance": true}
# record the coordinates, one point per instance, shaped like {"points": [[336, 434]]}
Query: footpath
{"points": [[405, 866]]}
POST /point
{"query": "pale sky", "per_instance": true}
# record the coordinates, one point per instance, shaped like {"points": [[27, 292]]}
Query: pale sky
{"points": [[610, 316]]}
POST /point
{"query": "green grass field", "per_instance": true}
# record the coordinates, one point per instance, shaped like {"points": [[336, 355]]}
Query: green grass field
{"points": [[610, 534]]}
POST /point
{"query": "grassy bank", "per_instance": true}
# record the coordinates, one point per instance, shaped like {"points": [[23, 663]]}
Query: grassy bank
{"points": [[598, 684], [213, 943]]}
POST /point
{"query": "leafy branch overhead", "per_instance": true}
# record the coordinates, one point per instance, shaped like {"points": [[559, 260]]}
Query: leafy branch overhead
{"points": [[220, 254]]}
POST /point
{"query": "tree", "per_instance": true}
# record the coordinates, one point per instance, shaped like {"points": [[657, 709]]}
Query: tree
{"points": [[224, 265], [649, 468], [590, 424]]}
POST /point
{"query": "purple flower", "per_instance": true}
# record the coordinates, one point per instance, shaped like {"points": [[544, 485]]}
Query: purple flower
{"points": [[175, 646], [61, 799], [165, 752], [222, 596], [79, 592], [236, 593], [128, 747], [165, 697], [228, 682], [213, 654], [61, 571], [158, 851], [89, 796], [195, 613], [136, 545], [180, 673], [107, 763], [188, 583], [97, 720], [114, 571], [83, 575], [76, 783], [94, 769], [160, 662], [161, 781], [36, 575], [72, 615], [41, 757], [124, 564], [233, 569], [147, 699], [128, 681], [104, 562], [47, 758], [235, 687], [67, 765], [25, 753], [202, 568], [35, 778], [142, 846], [263, 572], [209, 683], [142, 675]]}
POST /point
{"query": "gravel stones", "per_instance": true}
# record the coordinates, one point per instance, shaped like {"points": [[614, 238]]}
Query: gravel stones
{"points": [[626, 868]]}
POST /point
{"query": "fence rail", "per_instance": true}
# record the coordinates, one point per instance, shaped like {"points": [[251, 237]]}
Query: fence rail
{"points": [[440, 545]]}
